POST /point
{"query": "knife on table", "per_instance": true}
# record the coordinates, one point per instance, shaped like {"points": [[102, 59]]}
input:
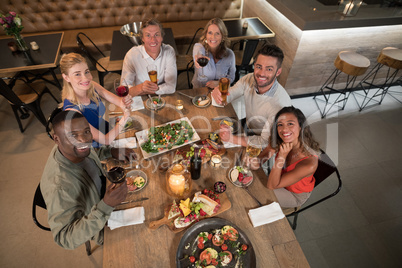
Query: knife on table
{"points": [[136, 200], [188, 96]]}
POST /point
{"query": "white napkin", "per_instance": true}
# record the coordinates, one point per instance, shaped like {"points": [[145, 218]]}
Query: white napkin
{"points": [[137, 104], [126, 217], [228, 144], [266, 214], [216, 104], [125, 143]]}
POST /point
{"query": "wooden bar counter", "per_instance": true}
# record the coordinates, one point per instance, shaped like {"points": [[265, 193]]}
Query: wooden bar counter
{"points": [[139, 246]]}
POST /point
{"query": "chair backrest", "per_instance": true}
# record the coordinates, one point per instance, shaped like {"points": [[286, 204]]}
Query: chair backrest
{"points": [[325, 168], [192, 40], [83, 47], [251, 46], [49, 127], [40, 202]]}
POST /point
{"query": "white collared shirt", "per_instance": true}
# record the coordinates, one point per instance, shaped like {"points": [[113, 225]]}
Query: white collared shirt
{"points": [[135, 72]]}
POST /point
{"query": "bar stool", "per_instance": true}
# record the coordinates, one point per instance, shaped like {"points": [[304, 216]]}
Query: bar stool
{"points": [[390, 57], [347, 62]]}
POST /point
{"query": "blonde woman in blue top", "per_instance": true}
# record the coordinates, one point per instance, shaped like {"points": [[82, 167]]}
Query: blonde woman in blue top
{"points": [[82, 94], [214, 44]]}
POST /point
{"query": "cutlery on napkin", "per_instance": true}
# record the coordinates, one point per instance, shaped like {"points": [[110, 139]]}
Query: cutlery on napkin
{"points": [[266, 214], [126, 217]]}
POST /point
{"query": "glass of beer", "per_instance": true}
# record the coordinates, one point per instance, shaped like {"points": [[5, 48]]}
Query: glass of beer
{"points": [[224, 88], [255, 145], [153, 74]]}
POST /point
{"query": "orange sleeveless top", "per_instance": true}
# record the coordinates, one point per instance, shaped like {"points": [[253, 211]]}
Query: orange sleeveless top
{"points": [[304, 185]]}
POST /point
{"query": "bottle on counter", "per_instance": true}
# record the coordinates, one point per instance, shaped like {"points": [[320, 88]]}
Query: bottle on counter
{"points": [[195, 165]]}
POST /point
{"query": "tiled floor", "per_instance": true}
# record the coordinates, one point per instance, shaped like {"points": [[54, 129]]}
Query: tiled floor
{"points": [[360, 227]]}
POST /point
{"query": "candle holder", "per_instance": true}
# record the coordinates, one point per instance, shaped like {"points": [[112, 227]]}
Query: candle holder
{"points": [[216, 161], [178, 181], [349, 7]]}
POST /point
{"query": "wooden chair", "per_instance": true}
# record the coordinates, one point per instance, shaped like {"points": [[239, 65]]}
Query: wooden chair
{"points": [[26, 97], [185, 62], [103, 64], [38, 201], [244, 57], [325, 169]]}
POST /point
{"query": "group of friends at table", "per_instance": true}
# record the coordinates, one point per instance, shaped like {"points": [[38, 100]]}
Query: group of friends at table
{"points": [[73, 182]]}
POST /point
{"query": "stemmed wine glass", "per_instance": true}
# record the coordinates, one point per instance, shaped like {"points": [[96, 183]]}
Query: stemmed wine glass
{"points": [[202, 60], [121, 90], [115, 171]]}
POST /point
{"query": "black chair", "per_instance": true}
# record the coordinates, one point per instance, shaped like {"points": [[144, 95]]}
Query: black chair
{"points": [[102, 64], [185, 62], [49, 127], [26, 97], [325, 169], [38, 201], [246, 57]]}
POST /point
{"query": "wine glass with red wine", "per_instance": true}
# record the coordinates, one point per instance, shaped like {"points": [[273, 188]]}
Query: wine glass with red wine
{"points": [[202, 60], [121, 90], [115, 171]]}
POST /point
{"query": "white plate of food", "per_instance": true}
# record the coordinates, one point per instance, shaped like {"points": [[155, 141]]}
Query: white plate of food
{"points": [[232, 123], [156, 103], [240, 176], [136, 180], [151, 146], [201, 101]]}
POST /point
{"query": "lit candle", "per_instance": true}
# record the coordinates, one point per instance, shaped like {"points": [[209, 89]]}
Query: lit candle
{"points": [[179, 105], [216, 161], [348, 8], [34, 45], [177, 184]]}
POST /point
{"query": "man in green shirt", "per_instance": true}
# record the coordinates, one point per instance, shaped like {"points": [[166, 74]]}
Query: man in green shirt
{"points": [[73, 183]]}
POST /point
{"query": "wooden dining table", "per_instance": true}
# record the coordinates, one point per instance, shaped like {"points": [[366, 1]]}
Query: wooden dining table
{"points": [[275, 244]]}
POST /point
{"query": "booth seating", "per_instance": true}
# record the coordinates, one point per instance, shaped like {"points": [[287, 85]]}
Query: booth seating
{"points": [[99, 19], [389, 57], [353, 65]]}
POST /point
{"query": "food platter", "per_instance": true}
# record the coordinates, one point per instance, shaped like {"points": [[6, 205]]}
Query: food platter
{"points": [[136, 173], [152, 106], [206, 225], [142, 137], [196, 101], [225, 205], [246, 172]]}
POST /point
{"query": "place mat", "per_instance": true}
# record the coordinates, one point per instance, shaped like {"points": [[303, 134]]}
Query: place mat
{"points": [[126, 217], [137, 104], [125, 143], [266, 214]]}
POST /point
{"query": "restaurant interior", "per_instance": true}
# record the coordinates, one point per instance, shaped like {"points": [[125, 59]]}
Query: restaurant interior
{"points": [[359, 227]]}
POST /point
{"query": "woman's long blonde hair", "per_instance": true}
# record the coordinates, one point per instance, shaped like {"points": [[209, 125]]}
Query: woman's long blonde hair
{"points": [[221, 52], [67, 61]]}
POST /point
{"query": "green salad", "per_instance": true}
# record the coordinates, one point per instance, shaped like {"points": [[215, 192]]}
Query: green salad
{"points": [[165, 137]]}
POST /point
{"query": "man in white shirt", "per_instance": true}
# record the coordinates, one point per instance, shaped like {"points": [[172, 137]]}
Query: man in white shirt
{"points": [[263, 95], [151, 52]]}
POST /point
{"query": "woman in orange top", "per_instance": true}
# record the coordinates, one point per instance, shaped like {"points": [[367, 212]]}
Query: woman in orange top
{"points": [[291, 177]]}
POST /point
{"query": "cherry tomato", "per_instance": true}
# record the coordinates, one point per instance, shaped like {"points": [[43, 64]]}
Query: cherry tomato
{"points": [[214, 262], [244, 247], [209, 236], [200, 245], [224, 247], [192, 259], [225, 237], [200, 239]]}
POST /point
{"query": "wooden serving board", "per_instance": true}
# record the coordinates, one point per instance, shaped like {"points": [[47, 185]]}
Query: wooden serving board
{"points": [[225, 205]]}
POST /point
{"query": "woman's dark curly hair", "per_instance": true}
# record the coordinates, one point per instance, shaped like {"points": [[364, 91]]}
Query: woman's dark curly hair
{"points": [[306, 139]]}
